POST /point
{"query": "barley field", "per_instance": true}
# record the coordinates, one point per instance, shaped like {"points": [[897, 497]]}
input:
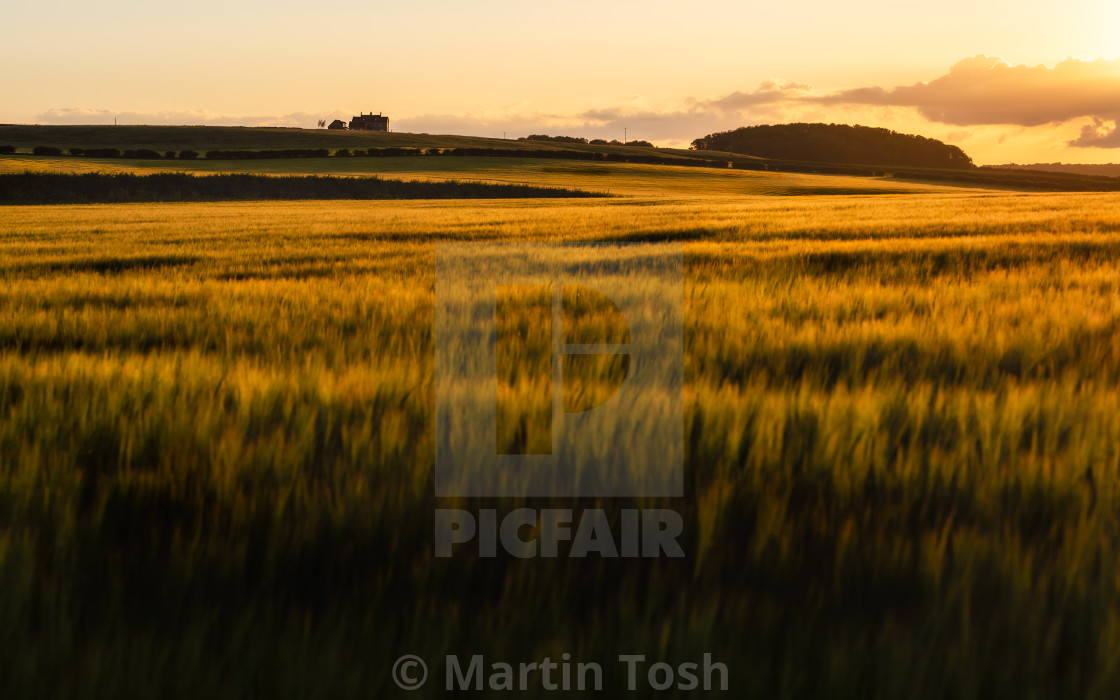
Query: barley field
{"points": [[612, 178], [902, 435]]}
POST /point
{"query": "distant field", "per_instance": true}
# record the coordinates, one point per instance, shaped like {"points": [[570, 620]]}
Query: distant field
{"points": [[903, 449], [1105, 169], [614, 178], [162, 139], [204, 138]]}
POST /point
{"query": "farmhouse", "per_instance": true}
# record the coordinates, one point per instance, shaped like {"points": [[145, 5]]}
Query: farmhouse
{"points": [[337, 124], [369, 122]]}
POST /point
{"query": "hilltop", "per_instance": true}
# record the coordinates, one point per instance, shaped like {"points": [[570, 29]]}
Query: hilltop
{"points": [[836, 143], [205, 138]]}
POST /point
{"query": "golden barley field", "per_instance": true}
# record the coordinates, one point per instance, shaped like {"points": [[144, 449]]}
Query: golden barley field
{"points": [[902, 434], [627, 180]]}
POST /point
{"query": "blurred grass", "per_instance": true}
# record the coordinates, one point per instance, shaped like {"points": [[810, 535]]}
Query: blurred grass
{"points": [[902, 436]]}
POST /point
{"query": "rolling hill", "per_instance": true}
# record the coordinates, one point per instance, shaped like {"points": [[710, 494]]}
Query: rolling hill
{"points": [[239, 150]]}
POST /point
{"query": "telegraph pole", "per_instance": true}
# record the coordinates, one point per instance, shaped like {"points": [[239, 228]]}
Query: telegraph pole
{"points": [[623, 136]]}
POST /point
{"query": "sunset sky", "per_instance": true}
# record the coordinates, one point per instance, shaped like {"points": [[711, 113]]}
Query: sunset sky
{"points": [[1023, 81]]}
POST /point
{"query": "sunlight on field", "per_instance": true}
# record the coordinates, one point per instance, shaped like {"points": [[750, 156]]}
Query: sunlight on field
{"points": [[901, 426]]}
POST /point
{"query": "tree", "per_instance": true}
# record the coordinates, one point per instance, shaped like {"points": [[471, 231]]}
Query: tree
{"points": [[836, 143]]}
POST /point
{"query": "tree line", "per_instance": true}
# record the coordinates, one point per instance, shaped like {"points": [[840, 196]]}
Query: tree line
{"points": [[579, 139], [90, 188], [385, 152], [389, 152]]}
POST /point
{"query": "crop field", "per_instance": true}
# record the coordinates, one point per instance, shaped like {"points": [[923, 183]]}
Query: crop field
{"points": [[611, 178], [902, 442], [323, 151]]}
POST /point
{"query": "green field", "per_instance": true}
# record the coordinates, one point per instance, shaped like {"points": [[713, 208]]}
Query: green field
{"points": [[163, 138], [902, 441], [203, 138]]}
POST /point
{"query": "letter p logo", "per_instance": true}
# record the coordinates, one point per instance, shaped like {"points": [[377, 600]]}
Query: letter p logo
{"points": [[558, 370]]}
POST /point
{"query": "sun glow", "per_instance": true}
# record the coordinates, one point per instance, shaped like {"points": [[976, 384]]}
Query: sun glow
{"points": [[1100, 31]]}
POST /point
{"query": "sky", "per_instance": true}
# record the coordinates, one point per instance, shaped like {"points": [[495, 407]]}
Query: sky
{"points": [[1024, 81]]}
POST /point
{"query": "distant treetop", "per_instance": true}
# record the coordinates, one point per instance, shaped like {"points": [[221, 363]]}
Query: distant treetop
{"points": [[577, 139], [555, 139], [836, 143]]}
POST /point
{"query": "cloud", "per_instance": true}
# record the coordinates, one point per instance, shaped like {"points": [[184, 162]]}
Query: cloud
{"points": [[985, 90], [676, 125], [665, 127], [695, 117], [769, 92], [978, 100], [514, 121], [86, 115], [1098, 135]]}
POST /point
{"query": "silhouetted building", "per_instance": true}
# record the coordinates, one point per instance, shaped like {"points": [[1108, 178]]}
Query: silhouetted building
{"points": [[369, 122], [337, 124]]}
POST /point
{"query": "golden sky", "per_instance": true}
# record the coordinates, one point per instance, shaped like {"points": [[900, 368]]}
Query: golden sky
{"points": [[1025, 81]]}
